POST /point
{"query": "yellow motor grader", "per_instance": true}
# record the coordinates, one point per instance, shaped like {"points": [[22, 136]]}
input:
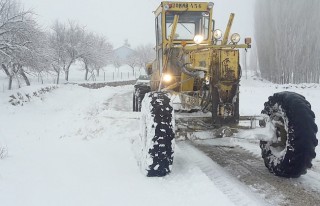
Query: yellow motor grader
{"points": [[197, 70]]}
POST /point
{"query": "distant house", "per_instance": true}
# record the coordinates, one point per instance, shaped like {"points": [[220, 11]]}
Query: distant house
{"points": [[123, 52]]}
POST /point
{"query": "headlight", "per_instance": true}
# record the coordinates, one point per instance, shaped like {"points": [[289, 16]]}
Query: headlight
{"points": [[207, 80], [217, 34], [210, 5], [166, 7], [167, 77], [198, 39], [235, 38]]}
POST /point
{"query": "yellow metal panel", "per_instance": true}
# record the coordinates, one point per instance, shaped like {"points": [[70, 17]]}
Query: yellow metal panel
{"points": [[187, 82], [158, 10], [229, 65], [225, 87], [201, 60], [226, 34], [229, 46], [183, 6]]}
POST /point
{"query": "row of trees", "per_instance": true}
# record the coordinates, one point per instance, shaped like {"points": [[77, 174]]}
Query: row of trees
{"points": [[137, 58], [26, 49], [286, 35], [70, 43]]}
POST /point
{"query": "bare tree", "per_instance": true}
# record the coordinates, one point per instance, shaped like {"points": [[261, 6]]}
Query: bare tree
{"points": [[96, 53], [58, 52], [75, 35], [17, 32], [144, 54], [104, 49], [287, 49], [40, 59], [71, 43], [253, 60], [132, 60], [25, 49]]}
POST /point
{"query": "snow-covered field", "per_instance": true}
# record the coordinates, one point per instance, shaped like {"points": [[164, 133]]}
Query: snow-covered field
{"points": [[77, 74], [74, 147]]}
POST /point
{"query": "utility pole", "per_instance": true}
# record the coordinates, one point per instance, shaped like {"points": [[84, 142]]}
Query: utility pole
{"points": [[245, 63]]}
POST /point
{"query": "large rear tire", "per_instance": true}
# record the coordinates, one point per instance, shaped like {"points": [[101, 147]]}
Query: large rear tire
{"points": [[292, 149], [134, 102], [157, 134]]}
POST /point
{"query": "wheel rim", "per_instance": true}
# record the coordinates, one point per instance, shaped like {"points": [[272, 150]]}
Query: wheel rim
{"points": [[281, 135], [280, 123]]}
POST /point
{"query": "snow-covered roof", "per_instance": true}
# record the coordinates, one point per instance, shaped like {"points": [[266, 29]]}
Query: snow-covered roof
{"points": [[123, 52]]}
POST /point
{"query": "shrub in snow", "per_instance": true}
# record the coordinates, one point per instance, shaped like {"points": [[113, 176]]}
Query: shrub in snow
{"points": [[110, 84], [20, 99]]}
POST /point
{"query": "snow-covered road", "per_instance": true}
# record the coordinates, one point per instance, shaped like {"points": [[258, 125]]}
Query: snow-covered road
{"points": [[250, 170], [75, 148]]}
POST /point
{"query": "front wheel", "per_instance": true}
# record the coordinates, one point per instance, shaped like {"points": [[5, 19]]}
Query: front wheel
{"points": [[290, 152], [157, 134], [139, 93]]}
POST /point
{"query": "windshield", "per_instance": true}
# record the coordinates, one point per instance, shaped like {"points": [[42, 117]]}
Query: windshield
{"points": [[189, 25]]}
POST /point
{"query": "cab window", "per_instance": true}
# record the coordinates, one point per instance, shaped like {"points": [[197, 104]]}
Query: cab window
{"points": [[189, 25]]}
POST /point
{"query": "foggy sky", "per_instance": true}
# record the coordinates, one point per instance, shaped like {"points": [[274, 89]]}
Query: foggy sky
{"points": [[131, 19]]}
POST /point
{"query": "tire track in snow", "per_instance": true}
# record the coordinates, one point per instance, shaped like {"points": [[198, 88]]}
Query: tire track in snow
{"points": [[251, 171], [114, 110], [119, 107], [229, 185], [120, 102], [311, 182]]}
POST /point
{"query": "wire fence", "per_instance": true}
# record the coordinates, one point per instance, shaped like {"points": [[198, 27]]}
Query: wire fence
{"points": [[76, 77]]}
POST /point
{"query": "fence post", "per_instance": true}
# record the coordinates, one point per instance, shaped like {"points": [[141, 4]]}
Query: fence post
{"points": [[121, 75], [113, 76], [104, 76]]}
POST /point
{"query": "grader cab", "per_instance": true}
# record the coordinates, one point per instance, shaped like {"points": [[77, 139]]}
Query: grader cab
{"points": [[197, 69]]}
